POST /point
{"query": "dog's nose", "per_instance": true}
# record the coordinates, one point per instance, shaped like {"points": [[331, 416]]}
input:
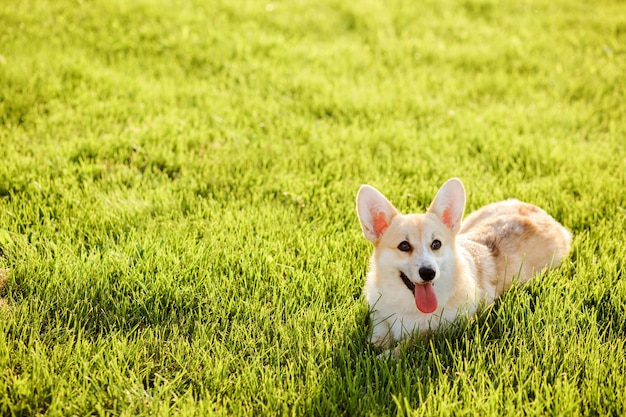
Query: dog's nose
{"points": [[427, 274]]}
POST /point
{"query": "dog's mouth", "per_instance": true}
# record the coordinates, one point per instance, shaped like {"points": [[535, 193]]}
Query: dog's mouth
{"points": [[409, 284], [425, 297]]}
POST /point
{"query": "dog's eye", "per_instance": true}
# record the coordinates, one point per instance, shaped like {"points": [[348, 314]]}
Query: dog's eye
{"points": [[436, 244], [404, 246]]}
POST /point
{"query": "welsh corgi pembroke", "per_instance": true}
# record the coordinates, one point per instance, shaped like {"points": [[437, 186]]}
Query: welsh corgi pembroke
{"points": [[427, 269]]}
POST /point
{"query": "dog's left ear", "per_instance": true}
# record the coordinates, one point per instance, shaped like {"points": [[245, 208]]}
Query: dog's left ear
{"points": [[375, 212], [449, 204]]}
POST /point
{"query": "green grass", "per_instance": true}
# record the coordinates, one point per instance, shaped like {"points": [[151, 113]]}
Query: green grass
{"points": [[177, 223]]}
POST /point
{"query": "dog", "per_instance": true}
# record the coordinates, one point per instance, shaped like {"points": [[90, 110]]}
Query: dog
{"points": [[428, 269]]}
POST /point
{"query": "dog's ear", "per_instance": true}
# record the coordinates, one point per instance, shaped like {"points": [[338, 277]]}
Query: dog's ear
{"points": [[375, 212], [449, 204]]}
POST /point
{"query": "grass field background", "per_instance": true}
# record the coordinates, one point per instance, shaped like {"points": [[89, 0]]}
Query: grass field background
{"points": [[177, 224]]}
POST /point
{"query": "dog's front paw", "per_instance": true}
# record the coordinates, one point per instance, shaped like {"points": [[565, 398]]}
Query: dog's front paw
{"points": [[381, 338], [379, 341], [391, 353]]}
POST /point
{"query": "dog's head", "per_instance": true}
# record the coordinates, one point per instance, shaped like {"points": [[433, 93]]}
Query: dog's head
{"points": [[418, 249]]}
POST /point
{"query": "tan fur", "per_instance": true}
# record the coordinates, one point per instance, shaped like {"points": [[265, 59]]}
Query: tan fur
{"points": [[523, 240], [477, 260]]}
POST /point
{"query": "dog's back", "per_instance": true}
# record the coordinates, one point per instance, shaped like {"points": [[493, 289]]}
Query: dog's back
{"points": [[521, 238]]}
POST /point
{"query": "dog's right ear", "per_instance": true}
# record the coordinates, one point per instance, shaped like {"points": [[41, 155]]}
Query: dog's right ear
{"points": [[375, 212]]}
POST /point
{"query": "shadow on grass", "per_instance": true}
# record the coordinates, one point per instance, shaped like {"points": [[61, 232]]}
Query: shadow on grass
{"points": [[361, 382], [3, 280]]}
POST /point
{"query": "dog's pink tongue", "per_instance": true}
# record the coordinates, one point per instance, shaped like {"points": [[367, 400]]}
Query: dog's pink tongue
{"points": [[425, 298]]}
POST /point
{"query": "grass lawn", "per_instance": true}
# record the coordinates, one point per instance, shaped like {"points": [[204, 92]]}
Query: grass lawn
{"points": [[177, 220]]}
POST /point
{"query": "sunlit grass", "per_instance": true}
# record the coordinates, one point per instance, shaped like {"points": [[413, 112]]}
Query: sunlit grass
{"points": [[177, 220]]}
